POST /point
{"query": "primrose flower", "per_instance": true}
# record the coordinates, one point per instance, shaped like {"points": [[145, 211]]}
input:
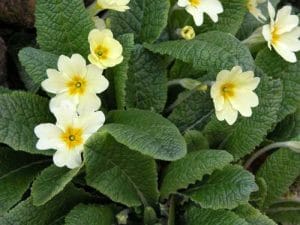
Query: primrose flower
{"points": [[233, 92], [252, 6], [76, 82], [117, 5], [105, 50], [283, 33], [188, 33], [69, 134], [197, 8]]}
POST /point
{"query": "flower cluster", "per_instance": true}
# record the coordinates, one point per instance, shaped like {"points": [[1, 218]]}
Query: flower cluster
{"points": [[75, 86]]}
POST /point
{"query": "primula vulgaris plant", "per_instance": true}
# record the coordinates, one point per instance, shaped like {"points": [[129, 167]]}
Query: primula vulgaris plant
{"points": [[158, 112]]}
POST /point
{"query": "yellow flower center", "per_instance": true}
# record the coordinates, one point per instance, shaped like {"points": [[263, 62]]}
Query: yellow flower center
{"points": [[72, 137], [195, 3], [101, 52], [227, 90], [77, 85], [275, 35]]}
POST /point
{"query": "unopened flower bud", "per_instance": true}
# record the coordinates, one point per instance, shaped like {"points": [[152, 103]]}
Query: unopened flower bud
{"points": [[188, 33]]}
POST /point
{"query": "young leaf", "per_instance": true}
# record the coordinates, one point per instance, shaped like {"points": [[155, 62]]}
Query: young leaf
{"points": [[279, 171], [212, 51], [241, 138], [63, 26], [253, 216], [51, 182], [225, 189], [25, 213], [124, 175], [20, 112], [89, 215], [274, 66], [230, 20], [198, 216], [36, 62], [146, 132], [146, 19], [285, 212], [146, 87], [14, 183], [192, 168], [120, 72]]}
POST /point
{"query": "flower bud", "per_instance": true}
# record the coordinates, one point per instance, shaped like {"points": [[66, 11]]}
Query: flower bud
{"points": [[188, 33], [294, 145]]}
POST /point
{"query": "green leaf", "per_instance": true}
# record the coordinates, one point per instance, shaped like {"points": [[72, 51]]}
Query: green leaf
{"points": [[274, 66], [197, 216], [247, 133], [225, 189], [285, 212], [89, 215], [125, 176], [259, 196], [192, 168], [253, 216], [14, 183], [120, 72], [146, 19], [183, 70], [146, 132], [36, 62], [25, 213], [4, 90], [63, 26], [51, 182], [193, 110], [20, 112], [280, 170], [195, 141], [230, 20], [212, 51], [146, 87]]}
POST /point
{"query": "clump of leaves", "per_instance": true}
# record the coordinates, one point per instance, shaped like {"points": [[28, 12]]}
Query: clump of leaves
{"points": [[162, 156]]}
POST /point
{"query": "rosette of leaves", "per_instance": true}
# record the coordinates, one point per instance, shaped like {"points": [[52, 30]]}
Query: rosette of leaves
{"points": [[154, 162]]}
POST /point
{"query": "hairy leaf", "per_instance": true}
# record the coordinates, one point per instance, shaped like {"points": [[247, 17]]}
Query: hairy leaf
{"points": [[285, 212], [195, 141], [51, 182], [146, 87], [63, 26], [225, 189], [192, 168], [20, 112], [123, 175], [146, 132], [89, 215]]}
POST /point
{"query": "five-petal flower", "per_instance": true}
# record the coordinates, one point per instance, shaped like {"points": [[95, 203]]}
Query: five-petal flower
{"points": [[233, 92]]}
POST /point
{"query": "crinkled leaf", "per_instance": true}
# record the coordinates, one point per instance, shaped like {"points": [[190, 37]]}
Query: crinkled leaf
{"points": [[195, 141], [259, 196], [192, 168], [225, 189], [120, 72], [146, 19], [36, 62], [123, 175], [89, 215], [63, 26], [51, 182], [253, 216], [286, 212], [197, 216], [247, 133], [25, 213], [20, 112], [279, 171], [193, 111], [146, 132], [211, 51], [274, 66], [146, 87]]}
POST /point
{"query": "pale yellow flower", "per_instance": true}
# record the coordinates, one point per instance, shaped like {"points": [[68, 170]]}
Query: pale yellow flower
{"points": [[117, 5], [283, 33], [233, 92], [252, 6], [105, 50], [76, 82], [188, 33], [197, 8], [69, 133]]}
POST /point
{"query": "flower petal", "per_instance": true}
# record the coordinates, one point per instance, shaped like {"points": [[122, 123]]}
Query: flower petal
{"points": [[91, 122], [56, 83], [79, 64], [88, 103], [49, 136], [285, 53], [228, 114], [286, 22], [96, 82]]}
